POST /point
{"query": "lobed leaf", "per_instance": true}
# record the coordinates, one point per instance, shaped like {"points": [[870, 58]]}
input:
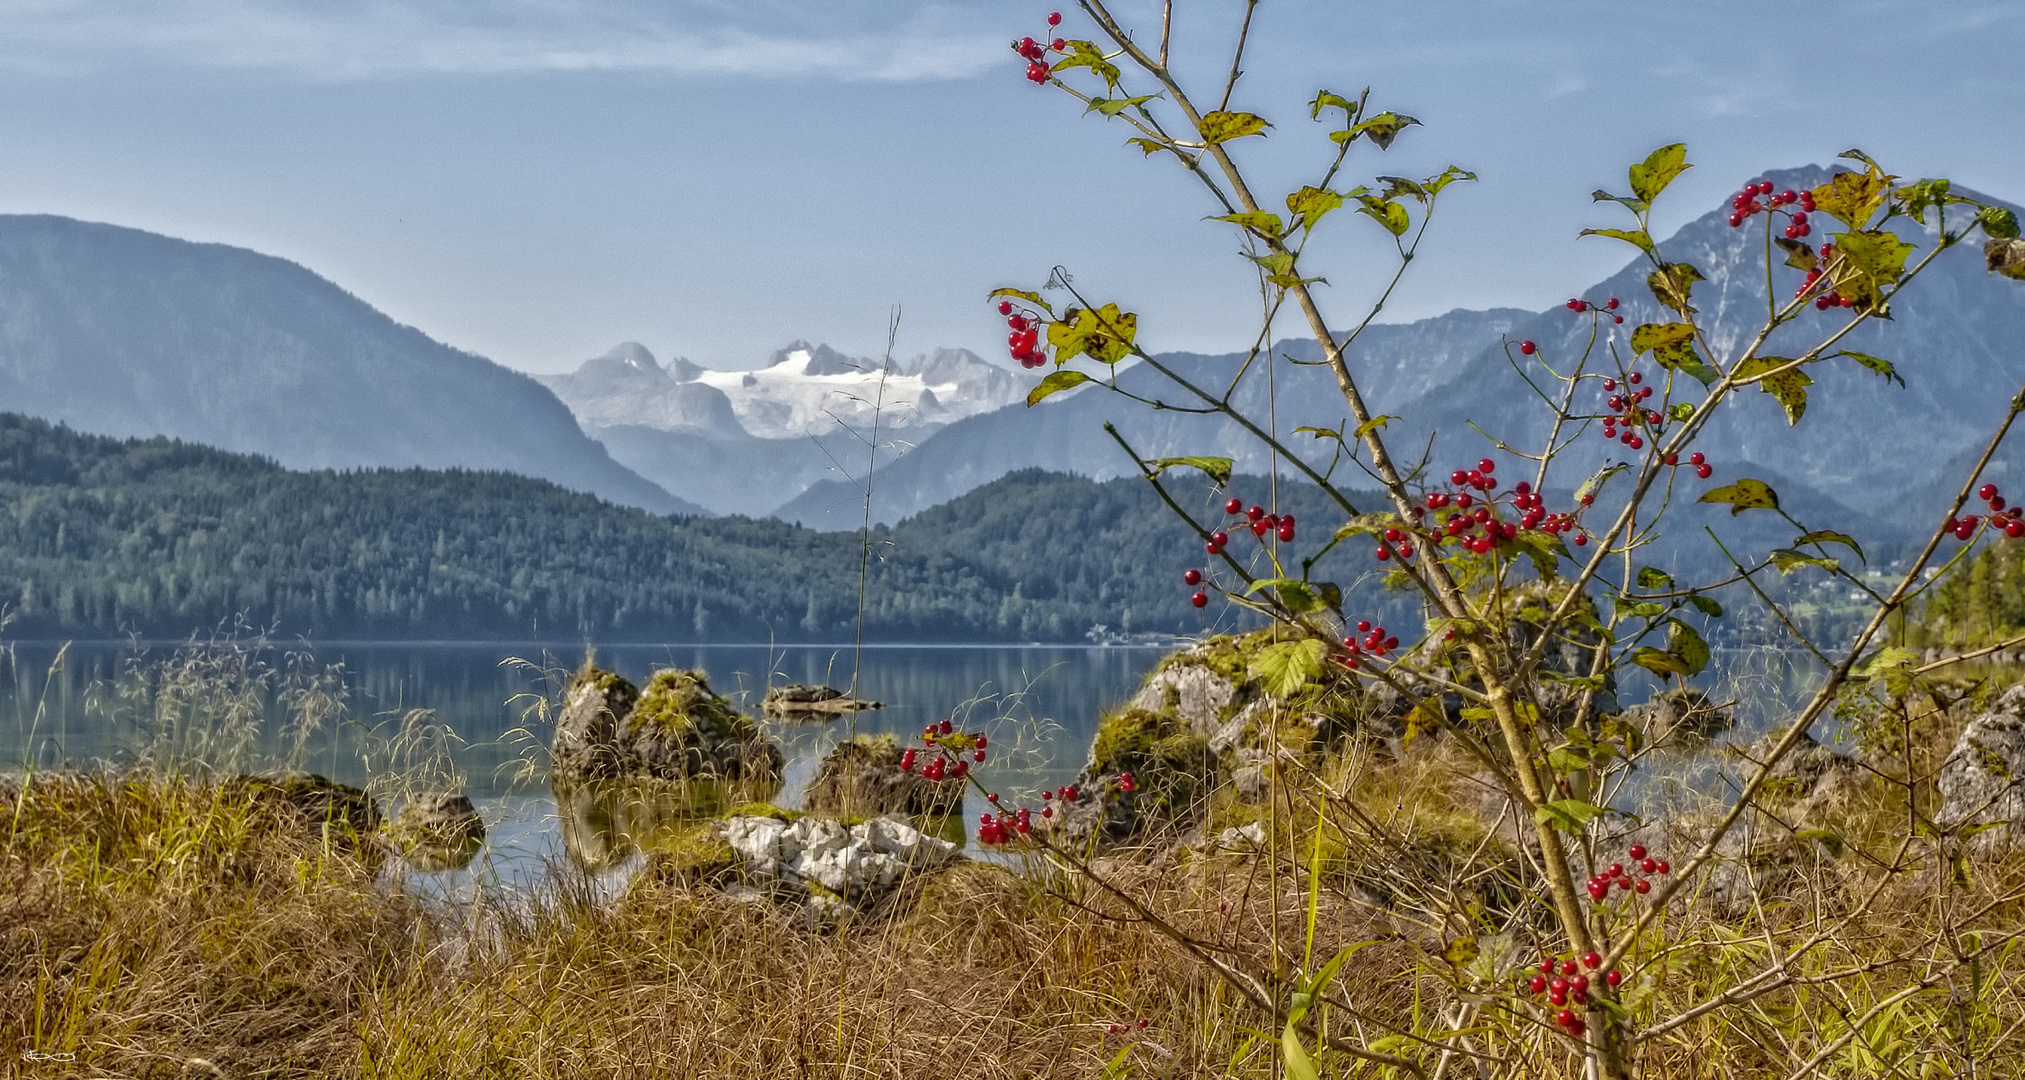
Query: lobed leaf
{"points": [[1799, 254], [1789, 387], [1383, 128], [1259, 221], [1104, 335], [1283, 668], [1866, 264], [1853, 197], [1672, 345], [1882, 367], [1650, 177], [1672, 285]]}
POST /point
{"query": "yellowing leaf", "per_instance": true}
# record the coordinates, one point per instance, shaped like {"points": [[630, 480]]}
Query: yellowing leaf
{"points": [[1672, 344], [1311, 203], [1220, 127], [1029, 296], [1671, 285], [1104, 335], [1218, 469], [1635, 237], [1327, 100], [1830, 536], [1056, 382], [1651, 177], [1867, 263], [1087, 54], [1684, 642], [1852, 196], [1789, 386], [1114, 106], [1371, 425], [1299, 1067], [1882, 367], [1659, 661], [1389, 214], [1258, 221], [1383, 128], [1743, 495], [2006, 257]]}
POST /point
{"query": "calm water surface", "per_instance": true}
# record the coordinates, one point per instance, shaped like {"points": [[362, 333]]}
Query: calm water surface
{"points": [[1040, 705]]}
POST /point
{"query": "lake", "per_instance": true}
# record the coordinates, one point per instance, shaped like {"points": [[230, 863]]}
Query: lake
{"points": [[1040, 705]]}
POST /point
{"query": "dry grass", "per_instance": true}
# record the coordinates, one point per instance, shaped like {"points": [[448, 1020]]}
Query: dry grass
{"points": [[149, 920]]}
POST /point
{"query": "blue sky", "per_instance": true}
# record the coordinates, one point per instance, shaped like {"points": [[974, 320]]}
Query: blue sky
{"points": [[536, 180]]}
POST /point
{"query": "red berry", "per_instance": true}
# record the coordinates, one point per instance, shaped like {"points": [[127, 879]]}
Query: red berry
{"points": [[1219, 538], [1005, 307], [1634, 378], [1559, 986], [1054, 18], [1649, 866], [1568, 967], [1384, 554], [1592, 960], [1286, 532], [1191, 577], [1987, 491], [1611, 303], [1663, 868], [1696, 458], [1565, 1018], [1199, 599], [1527, 347], [1058, 44], [1636, 851], [1256, 513], [1539, 984], [1703, 471], [1547, 966], [1643, 886], [1487, 466]]}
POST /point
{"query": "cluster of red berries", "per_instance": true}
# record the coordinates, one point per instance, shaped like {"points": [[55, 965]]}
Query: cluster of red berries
{"points": [[1375, 642], [1025, 339], [1257, 520], [2005, 518], [1563, 982], [1035, 53], [953, 751], [1193, 577], [1578, 305], [1625, 879], [1005, 826], [1829, 299], [1120, 1029], [1697, 460], [1629, 412], [1746, 204], [1462, 515]]}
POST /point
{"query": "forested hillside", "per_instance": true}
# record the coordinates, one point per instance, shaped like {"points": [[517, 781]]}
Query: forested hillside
{"points": [[101, 537]]}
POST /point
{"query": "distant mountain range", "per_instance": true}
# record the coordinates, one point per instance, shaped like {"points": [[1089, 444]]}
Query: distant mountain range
{"points": [[122, 332], [744, 442]]}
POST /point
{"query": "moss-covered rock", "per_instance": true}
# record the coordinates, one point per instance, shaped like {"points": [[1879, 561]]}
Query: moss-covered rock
{"points": [[862, 777], [438, 831], [675, 729]]}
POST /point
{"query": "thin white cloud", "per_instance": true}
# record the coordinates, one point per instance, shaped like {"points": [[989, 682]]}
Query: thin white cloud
{"points": [[382, 38]]}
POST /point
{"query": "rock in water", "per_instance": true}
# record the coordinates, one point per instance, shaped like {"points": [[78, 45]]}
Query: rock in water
{"points": [[325, 806], [440, 831], [863, 776], [1980, 782], [676, 729]]}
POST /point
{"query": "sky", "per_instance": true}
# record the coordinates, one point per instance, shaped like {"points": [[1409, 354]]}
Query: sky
{"points": [[538, 180]]}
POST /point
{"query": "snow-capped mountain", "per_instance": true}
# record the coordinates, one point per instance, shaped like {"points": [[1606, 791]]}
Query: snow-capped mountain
{"points": [[749, 441]]}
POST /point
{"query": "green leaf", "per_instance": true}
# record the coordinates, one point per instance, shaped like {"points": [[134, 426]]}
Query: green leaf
{"points": [[1744, 495], [1371, 425], [1706, 605], [1222, 127], [1383, 128], [1055, 383], [1114, 106], [1789, 387], [1567, 815], [1643, 609], [1998, 222], [1681, 411], [1866, 263], [1030, 297], [1327, 100], [1218, 469], [1635, 237], [1672, 285], [1636, 206], [1882, 367], [1322, 432], [1104, 335], [1116, 1069], [1366, 523], [2006, 257], [1150, 146], [1395, 186], [1830, 536], [1789, 560], [1853, 197], [1284, 668], [1684, 642], [1915, 197], [1389, 214], [1594, 485], [1310, 204], [1672, 344], [1651, 577], [1447, 176], [1651, 176], [1660, 662], [1259, 221], [1277, 264], [1296, 595], [1299, 1067], [1545, 550]]}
